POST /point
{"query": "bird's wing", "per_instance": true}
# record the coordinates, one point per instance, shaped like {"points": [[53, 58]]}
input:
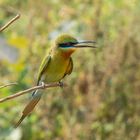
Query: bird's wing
{"points": [[43, 67], [69, 68]]}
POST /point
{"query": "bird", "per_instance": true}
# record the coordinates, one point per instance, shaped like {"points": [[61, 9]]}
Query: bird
{"points": [[55, 66]]}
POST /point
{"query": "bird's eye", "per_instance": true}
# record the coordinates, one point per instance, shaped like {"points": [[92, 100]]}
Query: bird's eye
{"points": [[68, 44]]}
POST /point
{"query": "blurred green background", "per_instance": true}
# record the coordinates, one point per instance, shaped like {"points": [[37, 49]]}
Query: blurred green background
{"points": [[101, 101]]}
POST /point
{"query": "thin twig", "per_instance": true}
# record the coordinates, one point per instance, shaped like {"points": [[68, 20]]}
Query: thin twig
{"points": [[29, 90], [7, 85], [10, 22]]}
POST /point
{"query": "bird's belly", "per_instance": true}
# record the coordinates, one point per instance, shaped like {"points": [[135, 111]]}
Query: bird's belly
{"points": [[55, 71]]}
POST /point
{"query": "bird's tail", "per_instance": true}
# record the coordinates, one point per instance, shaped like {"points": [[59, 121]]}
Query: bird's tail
{"points": [[29, 107]]}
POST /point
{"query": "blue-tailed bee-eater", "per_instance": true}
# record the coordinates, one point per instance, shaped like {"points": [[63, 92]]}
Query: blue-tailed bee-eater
{"points": [[55, 66]]}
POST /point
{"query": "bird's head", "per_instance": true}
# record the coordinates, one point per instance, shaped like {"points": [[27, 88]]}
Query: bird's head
{"points": [[68, 44]]}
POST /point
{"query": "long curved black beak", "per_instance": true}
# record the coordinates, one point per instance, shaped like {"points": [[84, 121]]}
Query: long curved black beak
{"points": [[85, 44]]}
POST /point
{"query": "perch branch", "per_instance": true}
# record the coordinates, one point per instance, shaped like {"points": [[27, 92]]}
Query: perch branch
{"points": [[29, 90], [7, 85], [9, 23]]}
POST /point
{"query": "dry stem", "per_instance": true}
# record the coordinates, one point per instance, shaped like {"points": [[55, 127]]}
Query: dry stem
{"points": [[9, 23], [7, 85], [29, 90]]}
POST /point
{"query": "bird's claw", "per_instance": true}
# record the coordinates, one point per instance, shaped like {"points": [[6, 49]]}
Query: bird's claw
{"points": [[43, 84], [61, 84]]}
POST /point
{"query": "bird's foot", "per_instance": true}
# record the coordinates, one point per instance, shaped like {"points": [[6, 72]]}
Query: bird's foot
{"points": [[43, 85], [61, 84]]}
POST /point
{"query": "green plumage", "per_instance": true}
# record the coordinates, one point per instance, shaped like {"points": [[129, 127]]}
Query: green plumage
{"points": [[53, 68]]}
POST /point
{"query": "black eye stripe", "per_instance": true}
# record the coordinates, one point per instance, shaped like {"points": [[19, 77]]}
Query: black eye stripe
{"points": [[67, 44]]}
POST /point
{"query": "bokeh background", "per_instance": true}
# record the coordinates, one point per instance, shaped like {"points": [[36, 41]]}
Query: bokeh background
{"points": [[102, 99]]}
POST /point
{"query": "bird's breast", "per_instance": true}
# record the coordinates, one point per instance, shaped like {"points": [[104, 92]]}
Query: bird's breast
{"points": [[56, 69]]}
